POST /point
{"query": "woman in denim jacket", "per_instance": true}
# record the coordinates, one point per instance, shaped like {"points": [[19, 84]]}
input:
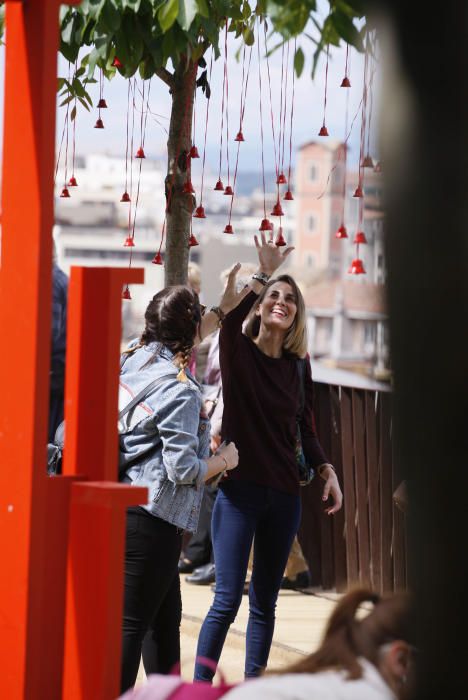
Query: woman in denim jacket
{"points": [[164, 444]]}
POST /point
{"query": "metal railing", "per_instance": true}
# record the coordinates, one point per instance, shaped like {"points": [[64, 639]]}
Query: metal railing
{"points": [[365, 543]]}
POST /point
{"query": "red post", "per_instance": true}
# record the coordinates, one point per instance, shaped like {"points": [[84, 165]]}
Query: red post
{"points": [[95, 589], [91, 391], [25, 313]]}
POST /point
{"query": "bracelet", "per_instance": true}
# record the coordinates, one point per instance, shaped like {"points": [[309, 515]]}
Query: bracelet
{"points": [[322, 468], [219, 313], [261, 277]]}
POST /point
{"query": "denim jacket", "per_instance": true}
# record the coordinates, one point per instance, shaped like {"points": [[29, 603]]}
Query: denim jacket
{"points": [[164, 440]]}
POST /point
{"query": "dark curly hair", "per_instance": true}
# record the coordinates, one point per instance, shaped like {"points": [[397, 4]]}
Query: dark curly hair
{"points": [[172, 318]]}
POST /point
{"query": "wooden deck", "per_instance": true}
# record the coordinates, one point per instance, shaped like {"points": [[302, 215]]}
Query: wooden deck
{"points": [[300, 621]]}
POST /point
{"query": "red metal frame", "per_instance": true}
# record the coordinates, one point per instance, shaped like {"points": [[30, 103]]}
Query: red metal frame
{"points": [[40, 614]]}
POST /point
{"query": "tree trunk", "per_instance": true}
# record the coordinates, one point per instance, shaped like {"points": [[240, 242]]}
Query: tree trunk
{"points": [[426, 159], [179, 204]]}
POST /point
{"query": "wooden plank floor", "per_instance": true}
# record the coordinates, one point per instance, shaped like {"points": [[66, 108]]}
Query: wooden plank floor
{"points": [[300, 620]]}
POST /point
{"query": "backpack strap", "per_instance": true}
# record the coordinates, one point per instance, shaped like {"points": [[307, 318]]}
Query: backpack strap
{"points": [[146, 391], [301, 368]]}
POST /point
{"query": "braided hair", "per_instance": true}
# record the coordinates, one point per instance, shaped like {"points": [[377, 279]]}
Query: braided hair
{"points": [[171, 319]]}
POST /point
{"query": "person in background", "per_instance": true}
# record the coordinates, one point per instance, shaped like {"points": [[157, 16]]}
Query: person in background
{"points": [[57, 360], [360, 658], [164, 444], [198, 559], [262, 397]]}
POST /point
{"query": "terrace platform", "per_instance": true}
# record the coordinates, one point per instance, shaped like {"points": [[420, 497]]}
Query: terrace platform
{"points": [[300, 620]]}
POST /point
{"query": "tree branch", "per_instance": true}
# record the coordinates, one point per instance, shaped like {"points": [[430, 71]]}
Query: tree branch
{"points": [[166, 76]]}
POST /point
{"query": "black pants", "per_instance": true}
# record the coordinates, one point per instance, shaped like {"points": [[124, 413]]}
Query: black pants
{"points": [[200, 548], [152, 602]]}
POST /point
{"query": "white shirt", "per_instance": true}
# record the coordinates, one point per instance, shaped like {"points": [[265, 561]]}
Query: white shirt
{"points": [[325, 685]]}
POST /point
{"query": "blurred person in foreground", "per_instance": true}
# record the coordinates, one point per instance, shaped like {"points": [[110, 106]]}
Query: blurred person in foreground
{"points": [[360, 658]]}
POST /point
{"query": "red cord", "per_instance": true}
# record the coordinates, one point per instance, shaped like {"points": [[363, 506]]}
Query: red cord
{"points": [[261, 120], [326, 85], [206, 131], [271, 101], [292, 116]]}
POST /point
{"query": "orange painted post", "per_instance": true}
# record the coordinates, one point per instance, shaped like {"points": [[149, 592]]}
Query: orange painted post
{"points": [[93, 612], [91, 389], [58, 496], [95, 589], [25, 316]]}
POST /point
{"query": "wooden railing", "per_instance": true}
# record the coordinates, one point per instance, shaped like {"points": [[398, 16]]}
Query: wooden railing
{"points": [[365, 542]]}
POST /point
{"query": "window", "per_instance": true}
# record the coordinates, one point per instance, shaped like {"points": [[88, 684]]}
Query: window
{"points": [[310, 223], [313, 172]]}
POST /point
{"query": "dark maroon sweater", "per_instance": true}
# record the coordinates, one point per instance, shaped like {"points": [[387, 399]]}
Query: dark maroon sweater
{"points": [[261, 401]]}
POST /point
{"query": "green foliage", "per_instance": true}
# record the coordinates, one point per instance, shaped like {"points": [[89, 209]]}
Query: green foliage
{"points": [[148, 35]]}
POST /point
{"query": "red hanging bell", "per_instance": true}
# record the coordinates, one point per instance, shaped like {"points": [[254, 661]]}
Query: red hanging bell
{"points": [[219, 187], [281, 179], [367, 162], [116, 63], [125, 197], [266, 225], [239, 136], [277, 210], [129, 242], [342, 232], [102, 104], [65, 193], [323, 131], [288, 196], [72, 182], [193, 153], [280, 238], [378, 167], [126, 293], [188, 187], [229, 190], [228, 229], [140, 153], [192, 241], [360, 237], [99, 124], [357, 267], [157, 260], [345, 82], [199, 213], [358, 192]]}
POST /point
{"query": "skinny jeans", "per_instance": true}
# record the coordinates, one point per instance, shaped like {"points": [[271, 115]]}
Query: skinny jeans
{"points": [[152, 601], [243, 510]]}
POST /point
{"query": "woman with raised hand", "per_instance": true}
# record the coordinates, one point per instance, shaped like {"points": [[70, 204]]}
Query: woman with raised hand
{"points": [[259, 501], [164, 445]]}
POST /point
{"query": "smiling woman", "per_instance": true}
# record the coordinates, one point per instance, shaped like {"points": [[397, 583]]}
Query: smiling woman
{"points": [[262, 388]]}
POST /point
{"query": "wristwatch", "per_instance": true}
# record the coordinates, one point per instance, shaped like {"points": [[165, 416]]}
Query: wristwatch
{"points": [[261, 277], [219, 313]]}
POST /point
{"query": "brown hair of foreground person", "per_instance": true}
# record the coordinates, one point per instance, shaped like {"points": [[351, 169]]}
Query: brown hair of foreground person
{"points": [[348, 637]]}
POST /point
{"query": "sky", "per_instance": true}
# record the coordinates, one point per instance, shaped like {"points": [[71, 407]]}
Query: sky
{"points": [[308, 109]]}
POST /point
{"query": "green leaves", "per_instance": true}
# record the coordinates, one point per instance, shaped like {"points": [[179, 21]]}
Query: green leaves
{"points": [[299, 60], [167, 15], [147, 34], [187, 11]]}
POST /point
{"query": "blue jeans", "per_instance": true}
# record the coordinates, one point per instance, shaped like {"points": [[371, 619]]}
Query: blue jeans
{"points": [[241, 511]]}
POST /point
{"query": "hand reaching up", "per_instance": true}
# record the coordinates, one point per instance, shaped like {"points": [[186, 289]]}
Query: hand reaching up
{"points": [[270, 256]]}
